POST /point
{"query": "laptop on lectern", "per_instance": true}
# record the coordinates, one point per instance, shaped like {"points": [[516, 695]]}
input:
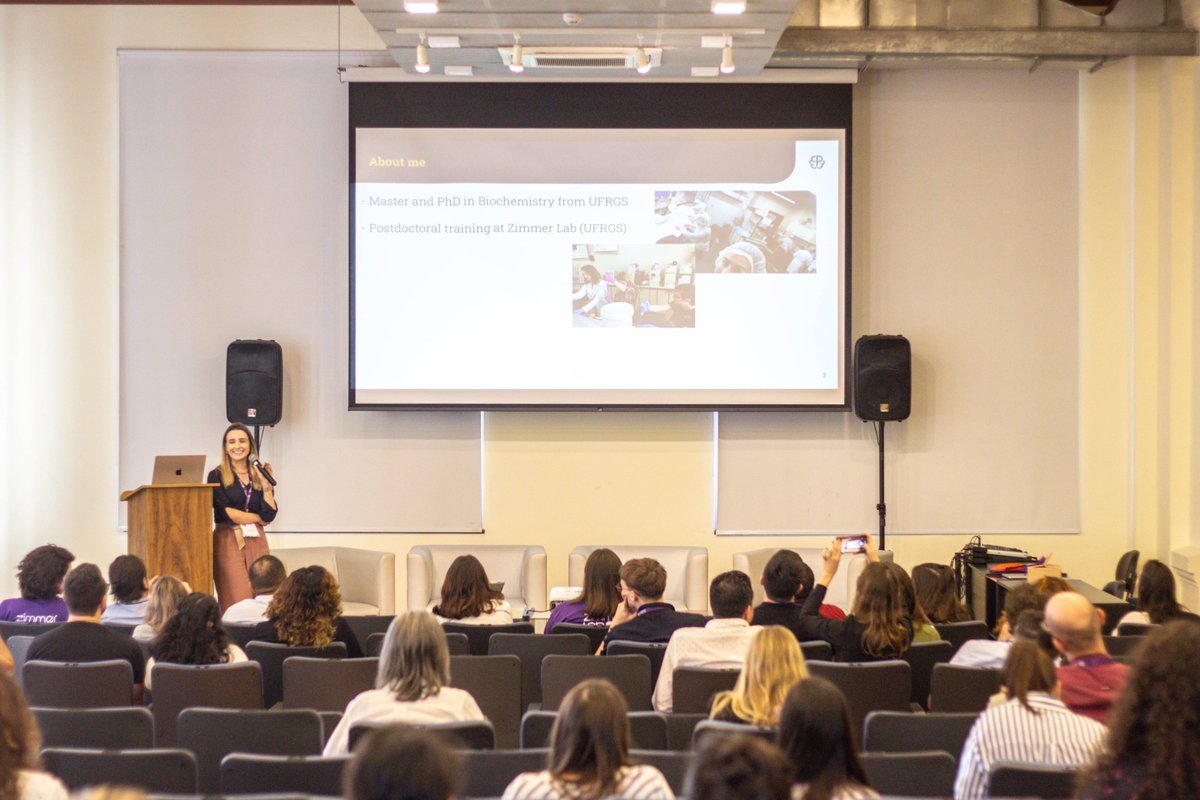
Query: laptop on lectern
{"points": [[178, 469]]}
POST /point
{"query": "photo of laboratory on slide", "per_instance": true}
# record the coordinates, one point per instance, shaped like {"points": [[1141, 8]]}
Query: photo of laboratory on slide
{"points": [[641, 286], [741, 231]]}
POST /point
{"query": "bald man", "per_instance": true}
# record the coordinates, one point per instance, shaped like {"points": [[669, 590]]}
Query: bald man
{"points": [[1090, 680]]}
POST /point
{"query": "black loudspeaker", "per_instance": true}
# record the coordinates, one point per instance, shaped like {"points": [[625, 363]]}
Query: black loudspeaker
{"points": [[882, 378], [254, 382]]}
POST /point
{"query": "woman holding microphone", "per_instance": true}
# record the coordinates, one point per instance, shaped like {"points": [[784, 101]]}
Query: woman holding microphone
{"points": [[243, 502]]}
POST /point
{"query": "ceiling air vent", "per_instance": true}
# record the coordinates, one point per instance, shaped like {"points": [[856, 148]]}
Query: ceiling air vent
{"points": [[582, 57]]}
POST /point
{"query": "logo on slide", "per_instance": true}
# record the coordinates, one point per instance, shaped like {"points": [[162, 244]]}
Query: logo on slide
{"points": [[816, 162]]}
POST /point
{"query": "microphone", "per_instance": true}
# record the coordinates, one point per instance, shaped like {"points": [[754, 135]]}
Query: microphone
{"points": [[270, 478]]}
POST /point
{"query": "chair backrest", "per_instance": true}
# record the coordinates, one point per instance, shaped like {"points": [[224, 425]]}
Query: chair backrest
{"points": [[630, 674], [97, 684], [180, 686], [692, 688], [165, 771], [962, 689], [19, 647], [121, 728], [673, 765], [326, 684], [240, 633], [457, 643], [489, 772], [649, 729], [1115, 588], [213, 733], [1136, 628], [958, 632], [475, 734], [817, 651], [495, 683], [256, 774], [531, 650], [478, 636], [681, 728], [1126, 571], [271, 655], [1119, 646], [651, 650], [901, 732], [9, 629], [595, 633], [717, 727], [1031, 780], [869, 686], [921, 774], [373, 645], [921, 657], [363, 625]]}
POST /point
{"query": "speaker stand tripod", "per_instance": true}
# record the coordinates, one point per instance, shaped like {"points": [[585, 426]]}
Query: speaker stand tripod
{"points": [[881, 506]]}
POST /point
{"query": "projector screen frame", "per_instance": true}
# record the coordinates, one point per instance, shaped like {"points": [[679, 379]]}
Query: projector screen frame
{"points": [[724, 105]]}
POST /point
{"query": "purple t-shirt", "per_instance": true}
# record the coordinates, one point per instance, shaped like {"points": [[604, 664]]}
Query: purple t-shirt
{"points": [[18, 609], [571, 611]]}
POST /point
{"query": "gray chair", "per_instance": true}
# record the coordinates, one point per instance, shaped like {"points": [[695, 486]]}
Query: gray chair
{"points": [[651, 650], [920, 774], [1136, 628], [495, 683], [479, 636], [461, 735], [167, 771], [1118, 646], [19, 647], [329, 721], [900, 732], [716, 727], [692, 688], [96, 684], [956, 633], [373, 645], [213, 733], [962, 689], [868, 686], [817, 651], [9, 629], [649, 730], [364, 625], [256, 774], [673, 765], [120, 728], [630, 674], [325, 684], [532, 650], [271, 655], [489, 772], [681, 728], [1126, 573], [1031, 780], [457, 643], [921, 657], [595, 633], [180, 686]]}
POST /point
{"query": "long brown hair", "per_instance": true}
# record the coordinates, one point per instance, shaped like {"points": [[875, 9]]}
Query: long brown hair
{"points": [[815, 734], [937, 593], [227, 466], [465, 591], [1027, 669], [878, 606], [590, 740], [601, 584], [908, 595], [306, 606], [21, 738], [1156, 592], [1152, 728]]}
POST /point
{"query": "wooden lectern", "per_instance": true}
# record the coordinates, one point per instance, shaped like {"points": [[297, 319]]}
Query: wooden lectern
{"points": [[170, 528]]}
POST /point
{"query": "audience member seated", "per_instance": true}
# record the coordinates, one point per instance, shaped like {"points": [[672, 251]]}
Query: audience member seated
{"points": [[992, 652], [814, 734], [130, 590], [937, 593], [774, 663], [1090, 678], [20, 776], [1156, 601], [787, 582], [601, 593], [878, 627], [82, 638], [589, 753], [722, 642], [266, 575], [468, 597], [922, 628], [412, 684], [306, 610], [40, 578], [1033, 727], [1153, 746], [194, 635], [642, 616], [739, 768], [166, 593], [403, 764]]}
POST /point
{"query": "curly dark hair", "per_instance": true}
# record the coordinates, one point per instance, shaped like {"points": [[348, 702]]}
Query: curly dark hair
{"points": [[306, 607], [1152, 729], [21, 741], [40, 573], [194, 635]]}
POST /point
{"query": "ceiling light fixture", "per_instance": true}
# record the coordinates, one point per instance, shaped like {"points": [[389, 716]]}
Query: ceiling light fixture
{"points": [[422, 56], [728, 6], [424, 6], [727, 65], [514, 63]]}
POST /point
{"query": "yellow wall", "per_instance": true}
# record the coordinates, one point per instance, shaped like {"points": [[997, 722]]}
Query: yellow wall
{"points": [[565, 478]]}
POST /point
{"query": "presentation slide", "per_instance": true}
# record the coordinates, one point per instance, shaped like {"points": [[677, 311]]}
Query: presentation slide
{"points": [[584, 267]]}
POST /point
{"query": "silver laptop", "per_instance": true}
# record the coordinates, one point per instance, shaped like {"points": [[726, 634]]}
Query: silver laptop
{"points": [[178, 469]]}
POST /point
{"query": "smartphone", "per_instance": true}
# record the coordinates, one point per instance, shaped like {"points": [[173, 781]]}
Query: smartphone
{"points": [[854, 544]]}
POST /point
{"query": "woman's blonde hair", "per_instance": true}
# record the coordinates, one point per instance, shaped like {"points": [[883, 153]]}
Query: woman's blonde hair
{"points": [[774, 663], [415, 660], [165, 596]]}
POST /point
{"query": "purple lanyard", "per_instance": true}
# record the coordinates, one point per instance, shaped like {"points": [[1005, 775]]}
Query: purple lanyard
{"points": [[248, 489]]}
